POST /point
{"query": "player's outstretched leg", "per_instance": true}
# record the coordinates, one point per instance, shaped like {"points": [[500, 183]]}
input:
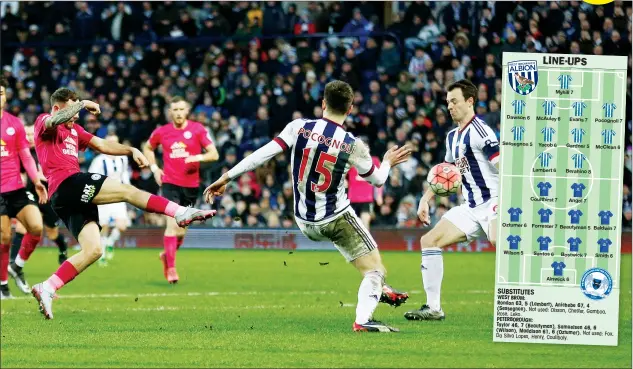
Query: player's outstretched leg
{"points": [[443, 234], [113, 191], [31, 218], [91, 250], [5, 239]]}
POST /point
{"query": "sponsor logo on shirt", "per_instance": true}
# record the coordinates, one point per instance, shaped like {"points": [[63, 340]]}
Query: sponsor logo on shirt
{"points": [[178, 150], [3, 150], [462, 164], [71, 147]]}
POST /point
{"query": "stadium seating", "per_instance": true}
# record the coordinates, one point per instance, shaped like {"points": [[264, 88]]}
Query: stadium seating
{"points": [[249, 68]]}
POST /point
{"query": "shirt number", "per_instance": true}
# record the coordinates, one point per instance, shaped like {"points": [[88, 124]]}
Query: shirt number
{"points": [[323, 157]]}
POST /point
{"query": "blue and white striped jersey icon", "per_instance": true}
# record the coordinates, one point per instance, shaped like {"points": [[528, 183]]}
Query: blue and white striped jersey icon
{"points": [[545, 158], [609, 109], [517, 132], [564, 80], [548, 107], [577, 134], [548, 134], [607, 135], [578, 160], [518, 106], [579, 107]]}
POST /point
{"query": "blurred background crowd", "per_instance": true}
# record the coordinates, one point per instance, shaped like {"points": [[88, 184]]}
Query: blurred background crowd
{"points": [[249, 68]]}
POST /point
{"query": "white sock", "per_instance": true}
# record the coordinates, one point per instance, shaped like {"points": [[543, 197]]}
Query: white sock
{"points": [[432, 273], [114, 237], [4, 282], [19, 261], [368, 296], [181, 210]]}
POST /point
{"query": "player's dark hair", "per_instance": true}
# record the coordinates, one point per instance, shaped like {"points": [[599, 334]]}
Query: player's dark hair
{"points": [[62, 95], [468, 89], [3, 82], [338, 97], [176, 99]]}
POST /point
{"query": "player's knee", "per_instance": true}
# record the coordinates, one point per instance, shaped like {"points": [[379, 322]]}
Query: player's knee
{"points": [[122, 228], [52, 233], [493, 242], [128, 192], [5, 237], [428, 240], [36, 230], [94, 252]]}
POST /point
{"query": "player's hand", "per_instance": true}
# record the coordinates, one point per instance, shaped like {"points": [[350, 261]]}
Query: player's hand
{"points": [[423, 212], [217, 188], [192, 159], [139, 158], [92, 107], [41, 192], [397, 155], [158, 176]]}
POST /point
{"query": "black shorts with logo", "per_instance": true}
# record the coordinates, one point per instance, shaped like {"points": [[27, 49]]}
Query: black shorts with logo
{"points": [[183, 196], [73, 201], [15, 201]]}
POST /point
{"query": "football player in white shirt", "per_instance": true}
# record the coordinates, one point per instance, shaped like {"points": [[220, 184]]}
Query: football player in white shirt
{"points": [[473, 147], [113, 218], [322, 152]]}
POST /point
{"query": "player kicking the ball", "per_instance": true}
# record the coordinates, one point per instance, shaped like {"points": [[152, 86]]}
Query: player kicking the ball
{"points": [[473, 147], [182, 142], [322, 152], [75, 195]]}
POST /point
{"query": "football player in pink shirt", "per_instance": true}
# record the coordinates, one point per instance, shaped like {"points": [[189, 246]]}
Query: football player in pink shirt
{"points": [[15, 201], [183, 141], [361, 193], [75, 195]]}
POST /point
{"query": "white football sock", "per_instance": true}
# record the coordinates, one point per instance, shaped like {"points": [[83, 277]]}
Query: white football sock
{"points": [[4, 282], [19, 261], [368, 296], [114, 237], [432, 273], [181, 210]]}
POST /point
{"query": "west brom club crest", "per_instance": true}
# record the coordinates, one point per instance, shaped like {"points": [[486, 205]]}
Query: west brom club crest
{"points": [[523, 76]]}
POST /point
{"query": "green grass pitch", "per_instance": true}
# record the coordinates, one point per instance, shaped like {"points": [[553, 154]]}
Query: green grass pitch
{"points": [[248, 309]]}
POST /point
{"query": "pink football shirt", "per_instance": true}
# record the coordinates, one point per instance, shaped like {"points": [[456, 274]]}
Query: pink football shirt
{"points": [[360, 190], [57, 149], [178, 144], [13, 141]]}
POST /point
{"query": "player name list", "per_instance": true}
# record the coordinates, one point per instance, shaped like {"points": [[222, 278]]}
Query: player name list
{"points": [[530, 315]]}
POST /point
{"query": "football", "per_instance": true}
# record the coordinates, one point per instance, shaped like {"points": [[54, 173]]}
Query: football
{"points": [[444, 179]]}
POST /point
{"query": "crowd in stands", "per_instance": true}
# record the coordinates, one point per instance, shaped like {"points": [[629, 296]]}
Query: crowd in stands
{"points": [[248, 68]]}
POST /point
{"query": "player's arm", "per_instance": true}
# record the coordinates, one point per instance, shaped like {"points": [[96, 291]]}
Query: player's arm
{"points": [[67, 113], [256, 159], [210, 154], [283, 142], [489, 145], [115, 148], [29, 164]]}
